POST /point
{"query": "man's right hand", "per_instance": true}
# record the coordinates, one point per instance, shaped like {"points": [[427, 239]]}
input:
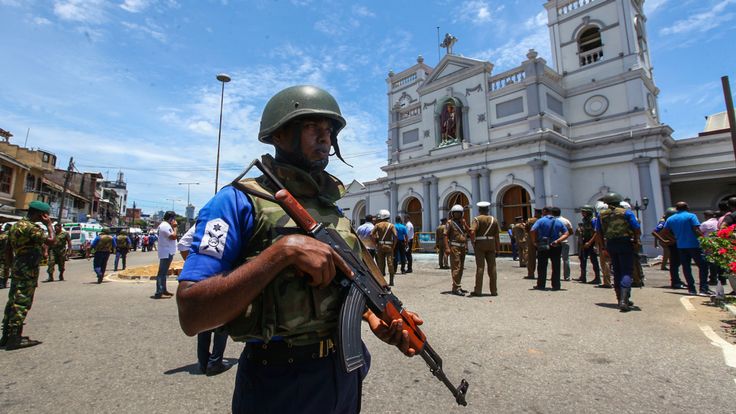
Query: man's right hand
{"points": [[314, 258]]}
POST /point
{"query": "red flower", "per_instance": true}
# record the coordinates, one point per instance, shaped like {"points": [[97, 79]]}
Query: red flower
{"points": [[721, 251], [732, 265]]}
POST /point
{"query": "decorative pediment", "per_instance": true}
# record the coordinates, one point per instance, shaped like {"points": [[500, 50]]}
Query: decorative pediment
{"points": [[453, 68], [354, 187]]}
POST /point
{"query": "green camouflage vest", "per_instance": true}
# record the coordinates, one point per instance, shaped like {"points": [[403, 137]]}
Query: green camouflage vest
{"points": [[614, 224], [588, 230], [122, 242], [60, 242], [3, 247], [104, 244], [288, 307]]}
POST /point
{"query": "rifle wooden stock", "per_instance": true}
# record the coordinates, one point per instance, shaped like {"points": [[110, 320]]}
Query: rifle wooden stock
{"points": [[295, 210]]}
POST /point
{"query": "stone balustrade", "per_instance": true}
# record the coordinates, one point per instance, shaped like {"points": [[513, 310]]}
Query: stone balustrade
{"points": [[507, 78], [572, 5]]}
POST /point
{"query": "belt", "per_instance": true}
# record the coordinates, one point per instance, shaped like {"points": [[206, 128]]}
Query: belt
{"points": [[484, 238], [386, 242], [458, 244], [282, 353]]}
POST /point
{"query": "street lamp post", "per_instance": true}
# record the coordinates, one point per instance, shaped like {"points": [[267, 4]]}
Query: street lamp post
{"points": [[173, 200], [224, 78], [188, 187]]}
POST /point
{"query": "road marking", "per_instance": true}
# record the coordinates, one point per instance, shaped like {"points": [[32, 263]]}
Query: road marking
{"points": [[685, 300], [729, 350]]}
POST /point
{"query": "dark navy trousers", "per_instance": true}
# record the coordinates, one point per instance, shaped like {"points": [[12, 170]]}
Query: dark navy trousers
{"points": [[318, 386]]}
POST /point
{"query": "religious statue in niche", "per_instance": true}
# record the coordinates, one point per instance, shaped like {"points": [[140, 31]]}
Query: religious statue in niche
{"points": [[450, 124]]}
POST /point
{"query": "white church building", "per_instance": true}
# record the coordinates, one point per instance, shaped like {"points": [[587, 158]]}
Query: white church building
{"points": [[539, 135]]}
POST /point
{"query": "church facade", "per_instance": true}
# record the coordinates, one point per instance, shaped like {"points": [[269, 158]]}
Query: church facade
{"points": [[459, 133]]}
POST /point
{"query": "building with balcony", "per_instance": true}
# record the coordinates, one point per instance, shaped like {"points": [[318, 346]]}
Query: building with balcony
{"points": [[537, 135]]}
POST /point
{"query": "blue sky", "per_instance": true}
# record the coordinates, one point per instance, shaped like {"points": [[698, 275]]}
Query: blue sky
{"points": [[130, 84]]}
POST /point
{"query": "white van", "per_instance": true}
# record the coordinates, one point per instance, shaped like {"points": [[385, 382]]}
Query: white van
{"points": [[81, 235]]}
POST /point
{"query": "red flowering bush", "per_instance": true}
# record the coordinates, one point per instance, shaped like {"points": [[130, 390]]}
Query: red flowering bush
{"points": [[720, 248]]}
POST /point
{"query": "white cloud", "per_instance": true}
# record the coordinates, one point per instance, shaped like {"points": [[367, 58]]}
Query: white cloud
{"points": [[150, 29], [474, 11], [513, 52], [701, 22], [363, 11], [41, 21], [653, 5], [301, 2], [135, 6], [539, 20], [88, 11]]}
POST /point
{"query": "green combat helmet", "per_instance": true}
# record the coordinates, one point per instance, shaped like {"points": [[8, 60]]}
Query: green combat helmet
{"points": [[297, 101], [670, 211], [612, 198], [587, 208]]}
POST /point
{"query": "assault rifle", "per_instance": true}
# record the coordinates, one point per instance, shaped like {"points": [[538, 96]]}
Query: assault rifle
{"points": [[363, 290]]}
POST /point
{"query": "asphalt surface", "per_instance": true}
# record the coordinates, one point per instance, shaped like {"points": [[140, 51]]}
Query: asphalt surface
{"points": [[110, 348]]}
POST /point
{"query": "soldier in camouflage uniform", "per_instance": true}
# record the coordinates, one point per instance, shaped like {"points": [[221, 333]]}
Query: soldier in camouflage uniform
{"points": [[439, 243], [104, 245], [531, 249], [26, 240], [5, 258], [518, 230], [123, 247], [58, 253], [252, 270], [618, 235], [587, 246], [385, 237]]}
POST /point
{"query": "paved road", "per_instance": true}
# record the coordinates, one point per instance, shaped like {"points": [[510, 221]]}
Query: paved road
{"points": [[109, 348]]}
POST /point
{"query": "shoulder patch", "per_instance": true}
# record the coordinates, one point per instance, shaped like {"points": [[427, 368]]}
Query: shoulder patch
{"points": [[214, 238]]}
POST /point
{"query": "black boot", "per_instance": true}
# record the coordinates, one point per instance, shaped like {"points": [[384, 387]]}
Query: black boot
{"points": [[596, 281], [582, 279], [15, 341], [48, 279], [3, 283], [4, 338], [61, 277], [391, 280]]}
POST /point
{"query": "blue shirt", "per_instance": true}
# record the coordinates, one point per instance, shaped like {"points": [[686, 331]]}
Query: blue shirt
{"points": [[224, 226], [681, 225], [400, 231], [659, 227], [628, 215], [549, 226]]}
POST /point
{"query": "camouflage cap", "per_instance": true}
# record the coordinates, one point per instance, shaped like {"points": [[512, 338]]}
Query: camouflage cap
{"points": [[39, 206]]}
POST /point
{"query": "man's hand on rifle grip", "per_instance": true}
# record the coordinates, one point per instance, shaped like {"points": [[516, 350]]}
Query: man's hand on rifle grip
{"points": [[315, 259], [393, 334]]}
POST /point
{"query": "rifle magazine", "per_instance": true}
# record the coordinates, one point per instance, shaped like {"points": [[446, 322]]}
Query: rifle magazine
{"points": [[348, 335]]}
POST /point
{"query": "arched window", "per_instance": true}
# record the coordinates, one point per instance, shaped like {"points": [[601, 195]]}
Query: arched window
{"points": [[590, 46]]}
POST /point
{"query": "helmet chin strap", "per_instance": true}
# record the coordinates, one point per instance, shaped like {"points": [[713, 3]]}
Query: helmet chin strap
{"points": [[295, 156]]}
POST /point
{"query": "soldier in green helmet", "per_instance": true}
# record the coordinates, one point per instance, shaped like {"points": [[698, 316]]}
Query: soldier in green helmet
{"points": [[618, 234], [104, 245], [587, 242], [250, 270], [58, 253], [26, 240]]}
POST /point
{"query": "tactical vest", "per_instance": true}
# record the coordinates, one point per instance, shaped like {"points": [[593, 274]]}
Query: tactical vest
{"points": [[104, 244], [588, 229], [122, 242], [288, 307], [60, 241], [614, 224]]}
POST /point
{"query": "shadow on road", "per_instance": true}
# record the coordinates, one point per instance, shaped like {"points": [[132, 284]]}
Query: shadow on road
{"points": [[193, 369], [615, 306]]}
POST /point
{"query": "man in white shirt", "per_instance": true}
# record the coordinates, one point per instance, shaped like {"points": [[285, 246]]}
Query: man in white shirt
{"points": [[364, 232], [410, 241], [166, 250]]}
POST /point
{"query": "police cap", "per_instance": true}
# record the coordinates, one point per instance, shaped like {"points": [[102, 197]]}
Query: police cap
{"points": [[483, 204]]}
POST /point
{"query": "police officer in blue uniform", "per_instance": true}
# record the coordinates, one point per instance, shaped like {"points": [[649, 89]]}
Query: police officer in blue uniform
{"points": [[250, 271]]}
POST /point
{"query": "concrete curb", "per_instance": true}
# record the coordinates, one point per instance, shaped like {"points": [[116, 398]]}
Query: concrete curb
{"points": [[732, 309]]}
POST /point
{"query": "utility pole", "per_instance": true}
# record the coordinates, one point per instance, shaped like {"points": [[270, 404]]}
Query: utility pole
{"points": [[729, 111], [188, 187], [67, 178]]}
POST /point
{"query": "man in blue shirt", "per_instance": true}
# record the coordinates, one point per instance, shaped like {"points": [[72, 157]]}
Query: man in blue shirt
{"points": [[253, 271], [684, 226], [547, 234], [671, 254], [400, 251]]}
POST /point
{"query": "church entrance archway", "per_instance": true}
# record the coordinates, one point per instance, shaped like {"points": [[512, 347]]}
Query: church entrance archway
{"points": [[413, 209], [515, 202], [459, 198], [358, 214]]}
